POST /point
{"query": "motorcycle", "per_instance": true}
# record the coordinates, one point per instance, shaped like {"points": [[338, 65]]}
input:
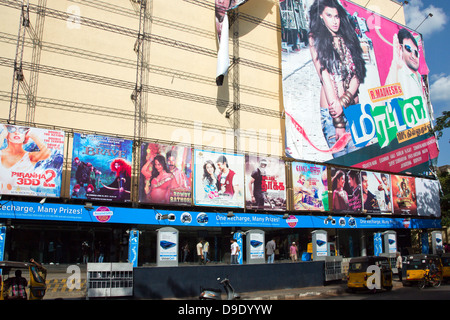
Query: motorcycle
{"points": [[216, 294]]}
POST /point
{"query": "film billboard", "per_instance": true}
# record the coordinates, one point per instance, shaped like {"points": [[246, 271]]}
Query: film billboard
{"points": [[218, 179], [404, 195], [376, 192], [265, 183], [310, 184], [346, 190], [31, 161], [101, 168], [428, 197], [166, 174], [353, 88]]}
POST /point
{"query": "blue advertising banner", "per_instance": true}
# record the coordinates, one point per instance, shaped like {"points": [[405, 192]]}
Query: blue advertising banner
{"points": [[2, 241], [377, 244], [101, 168], [238, 237], [103, 214], [425, 244], [133, 247]]}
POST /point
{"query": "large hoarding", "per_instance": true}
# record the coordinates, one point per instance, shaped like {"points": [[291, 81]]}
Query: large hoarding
{"points": [[353, 89], [265, 183], [166, 174], [376, 192], [346, 190], [101, 168], [218, 179], [428, 197], [310, 185], [31, 161], [404, 195]]}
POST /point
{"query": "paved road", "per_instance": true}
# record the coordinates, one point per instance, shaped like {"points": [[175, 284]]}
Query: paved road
{"points": [[398, 293]]}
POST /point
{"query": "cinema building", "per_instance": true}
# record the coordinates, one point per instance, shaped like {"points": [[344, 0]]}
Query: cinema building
{"points": [[120, 119]]}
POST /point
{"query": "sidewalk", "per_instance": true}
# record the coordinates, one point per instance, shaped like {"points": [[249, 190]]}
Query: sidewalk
{"points": [[57, 288]]}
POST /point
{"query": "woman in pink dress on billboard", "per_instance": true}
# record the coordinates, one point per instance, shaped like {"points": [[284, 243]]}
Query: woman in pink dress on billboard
{"points": [[161, 181]]}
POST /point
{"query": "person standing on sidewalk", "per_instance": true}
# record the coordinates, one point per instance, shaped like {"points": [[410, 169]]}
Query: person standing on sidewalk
{"points": [[399, 266], [234, 251], [200, 252], [270, 251], [205, 251], [293, 250]]}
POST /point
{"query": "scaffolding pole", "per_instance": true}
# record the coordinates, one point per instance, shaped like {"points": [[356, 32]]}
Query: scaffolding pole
{"points": [[18, 77], [139, 95]]}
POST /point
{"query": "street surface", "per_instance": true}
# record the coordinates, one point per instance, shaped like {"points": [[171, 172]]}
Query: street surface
{"points": [[397, 293]]}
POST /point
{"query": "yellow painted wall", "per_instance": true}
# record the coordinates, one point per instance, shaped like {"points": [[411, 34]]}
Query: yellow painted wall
{"points": [[87, 71]]}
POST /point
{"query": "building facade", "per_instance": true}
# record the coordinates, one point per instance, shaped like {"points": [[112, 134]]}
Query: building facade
{"points": [[127, 124]]}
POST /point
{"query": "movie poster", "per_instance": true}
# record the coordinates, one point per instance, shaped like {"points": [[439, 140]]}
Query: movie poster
{"points": [[101, 168], [428, 197], [353, 91], [404, 195], [166, 174], [310, 185], [218, 179], [265, 183], [376, 192], [346, 190], [31, 161]]}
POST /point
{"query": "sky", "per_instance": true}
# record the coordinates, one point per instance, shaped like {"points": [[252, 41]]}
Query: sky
{"points": [[436, 35]]}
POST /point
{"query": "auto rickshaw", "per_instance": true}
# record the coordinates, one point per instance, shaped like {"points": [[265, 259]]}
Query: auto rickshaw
{"points": [[36, 284], [416, 266], [445, 259], [358, 273]]}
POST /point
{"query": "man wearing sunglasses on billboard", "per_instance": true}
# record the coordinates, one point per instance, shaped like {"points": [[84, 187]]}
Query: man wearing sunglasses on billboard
{"points": [[405, 65]]}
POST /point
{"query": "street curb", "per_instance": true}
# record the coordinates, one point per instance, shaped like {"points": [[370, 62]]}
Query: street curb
{"points": [[297, 296]]}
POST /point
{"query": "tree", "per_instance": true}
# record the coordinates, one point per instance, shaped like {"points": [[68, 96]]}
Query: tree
{"points": [[444, 178], [442, 122]]}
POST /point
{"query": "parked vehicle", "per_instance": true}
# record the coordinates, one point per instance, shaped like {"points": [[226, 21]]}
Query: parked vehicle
{"points": [[216, 294], [375, 269], [445, 260], [415, 266], [36, 284]]}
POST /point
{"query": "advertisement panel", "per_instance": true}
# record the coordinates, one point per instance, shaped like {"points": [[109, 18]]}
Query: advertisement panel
{"points": [[353, 90], [101, 168], [218, 179], [310, 185], [256, 245], [166, 174], [376, 192], [31, 161], [428, 197], [202, 219], [404, 195], [168, 245], [265, 183], [346, 188]]}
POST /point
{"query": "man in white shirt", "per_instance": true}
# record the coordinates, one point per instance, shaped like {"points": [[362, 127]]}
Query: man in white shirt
{"points": [[234, 251], [200, 252]]}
